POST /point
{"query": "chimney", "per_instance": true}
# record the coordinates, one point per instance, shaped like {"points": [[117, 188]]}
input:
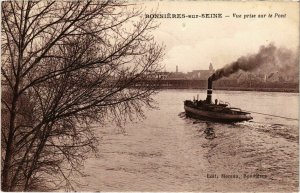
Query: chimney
{"points": [[209, 90], [176, 69]]}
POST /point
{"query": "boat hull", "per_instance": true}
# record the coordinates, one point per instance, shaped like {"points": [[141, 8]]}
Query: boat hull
{"points": [[210, 115]]}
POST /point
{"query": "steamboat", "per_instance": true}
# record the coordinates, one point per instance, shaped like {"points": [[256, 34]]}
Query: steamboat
{"points": [[207, 110]]}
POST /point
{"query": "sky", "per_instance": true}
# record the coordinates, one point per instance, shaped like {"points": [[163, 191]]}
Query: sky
{"points": [[193, 44]]}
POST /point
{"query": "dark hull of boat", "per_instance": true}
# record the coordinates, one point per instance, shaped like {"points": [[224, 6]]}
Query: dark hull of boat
{"points": [[216, 116]]}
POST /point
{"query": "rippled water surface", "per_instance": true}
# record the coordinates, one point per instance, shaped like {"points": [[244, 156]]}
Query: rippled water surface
{"points": [[169, 152]]}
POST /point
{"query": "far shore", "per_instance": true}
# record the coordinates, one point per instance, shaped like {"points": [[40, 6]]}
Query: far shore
{"points": [[289, 90]]}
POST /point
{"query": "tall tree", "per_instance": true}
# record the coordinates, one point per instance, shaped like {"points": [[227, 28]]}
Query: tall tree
{"points": [[65, 66]]}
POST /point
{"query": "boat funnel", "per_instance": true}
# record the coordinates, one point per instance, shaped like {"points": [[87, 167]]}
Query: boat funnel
{"points": [[209, 90]]}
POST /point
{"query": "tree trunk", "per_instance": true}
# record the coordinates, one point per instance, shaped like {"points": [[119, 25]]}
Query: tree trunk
{"points": [[8, 151]]}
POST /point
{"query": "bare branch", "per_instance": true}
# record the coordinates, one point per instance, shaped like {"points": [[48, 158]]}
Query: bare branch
{"points": [[68, 65]]}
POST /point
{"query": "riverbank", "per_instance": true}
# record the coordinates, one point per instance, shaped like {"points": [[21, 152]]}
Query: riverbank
{"points": [[289, 90], [292, 87]]}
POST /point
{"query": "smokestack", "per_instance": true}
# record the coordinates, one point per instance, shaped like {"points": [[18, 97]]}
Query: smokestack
{"points": [[209, 90], [176, 69]]}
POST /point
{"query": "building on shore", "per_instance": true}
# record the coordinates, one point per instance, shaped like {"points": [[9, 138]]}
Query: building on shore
{"points": [[238, 78], [177, 75], [201, 74]]}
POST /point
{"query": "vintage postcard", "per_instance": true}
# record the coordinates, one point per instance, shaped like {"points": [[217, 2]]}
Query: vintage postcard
{"points": [[150, 96]]}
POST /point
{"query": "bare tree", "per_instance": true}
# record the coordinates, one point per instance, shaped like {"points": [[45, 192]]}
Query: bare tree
{"points": [[65, 66]]}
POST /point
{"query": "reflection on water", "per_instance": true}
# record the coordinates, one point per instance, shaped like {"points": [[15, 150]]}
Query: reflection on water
{"points": [[169, 152]]}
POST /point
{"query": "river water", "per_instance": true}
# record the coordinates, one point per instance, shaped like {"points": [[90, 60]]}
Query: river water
{"points": [[169, 152]]}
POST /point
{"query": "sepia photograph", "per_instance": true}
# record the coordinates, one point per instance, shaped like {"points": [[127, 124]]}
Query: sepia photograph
{"points": [[149, 96]]}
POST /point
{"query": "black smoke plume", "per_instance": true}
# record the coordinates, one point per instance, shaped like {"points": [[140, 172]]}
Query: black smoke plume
{"points": [[268, 59]]}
